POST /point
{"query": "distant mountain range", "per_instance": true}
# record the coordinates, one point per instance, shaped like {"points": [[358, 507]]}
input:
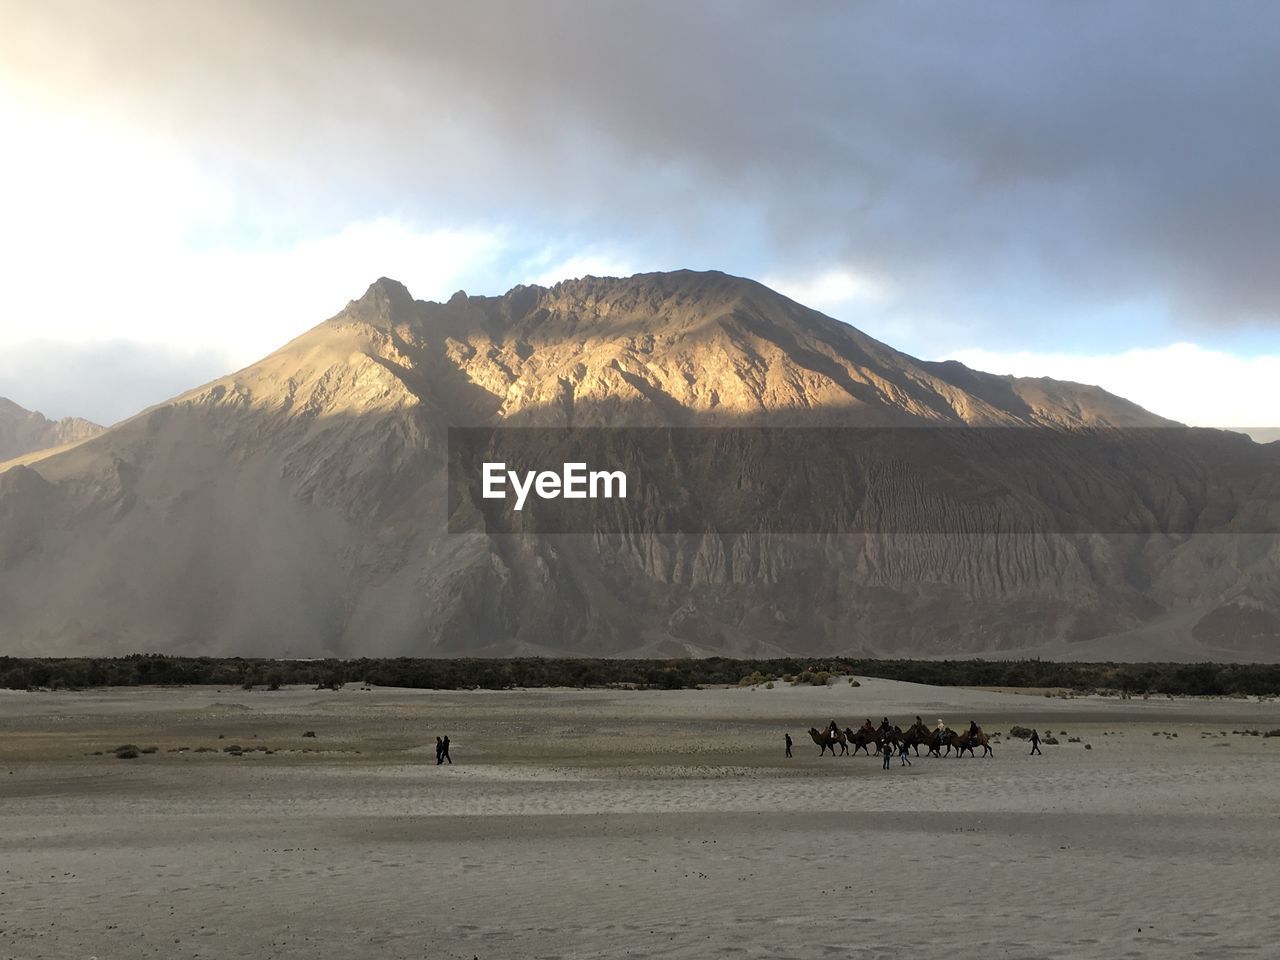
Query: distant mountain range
{"points": [[298, 507], [24, 431]]}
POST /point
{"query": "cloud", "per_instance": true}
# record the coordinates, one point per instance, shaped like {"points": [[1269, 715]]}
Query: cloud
{"points": [[104, 382], [1183, 381], [833, 291], [1016, 155], [107, 236], [980, 175]]}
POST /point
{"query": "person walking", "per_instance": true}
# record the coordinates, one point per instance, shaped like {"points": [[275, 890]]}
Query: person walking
{"points": [[788, 736], [444, 751], [439, 751], [902, 752], [1035, 743], [888, 752]]}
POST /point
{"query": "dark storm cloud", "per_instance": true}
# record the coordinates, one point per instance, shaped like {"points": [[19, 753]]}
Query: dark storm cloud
{"points": [[1022, 153]]}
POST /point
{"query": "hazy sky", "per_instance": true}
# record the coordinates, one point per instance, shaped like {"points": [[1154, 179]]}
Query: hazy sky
{"points": [[1082, 190]]}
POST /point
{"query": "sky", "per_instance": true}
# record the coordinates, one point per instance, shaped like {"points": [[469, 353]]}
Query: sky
{"points": [[1089, 191]]}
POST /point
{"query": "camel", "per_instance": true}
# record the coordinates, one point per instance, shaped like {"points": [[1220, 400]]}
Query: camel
{"points": [[936, 741], [894, 737], [918, 734], [981, 740], [872, 735], [967, 741], [859, 741], [827, 739], [835, 736]]}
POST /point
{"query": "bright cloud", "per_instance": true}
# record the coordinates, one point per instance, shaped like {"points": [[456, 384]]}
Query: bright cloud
{"points": [[103, 239], [834, 291], [1183, 381]]}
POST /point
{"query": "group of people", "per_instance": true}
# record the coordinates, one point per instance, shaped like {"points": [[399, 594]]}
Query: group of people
{"points": [[442, 751]]}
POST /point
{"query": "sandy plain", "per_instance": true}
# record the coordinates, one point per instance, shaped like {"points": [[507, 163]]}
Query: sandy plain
{"points": [[637, 824]]}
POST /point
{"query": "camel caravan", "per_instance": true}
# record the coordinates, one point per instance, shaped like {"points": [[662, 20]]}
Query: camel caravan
{"points": [[938, 741]]}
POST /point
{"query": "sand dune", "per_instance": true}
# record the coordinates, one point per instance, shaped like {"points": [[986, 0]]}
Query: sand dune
{"points": [[641, 824]]}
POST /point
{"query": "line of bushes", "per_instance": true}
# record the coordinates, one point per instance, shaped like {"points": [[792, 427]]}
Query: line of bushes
{"points": [[1194, 679]]}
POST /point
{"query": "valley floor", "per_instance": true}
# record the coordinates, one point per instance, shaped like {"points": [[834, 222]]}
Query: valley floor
{"points": [[629, 824]]}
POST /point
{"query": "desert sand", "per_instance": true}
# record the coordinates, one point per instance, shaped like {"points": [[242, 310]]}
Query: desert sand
{"points": [[629, 824]]}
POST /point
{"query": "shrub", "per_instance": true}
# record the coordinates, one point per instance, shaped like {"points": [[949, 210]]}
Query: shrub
{"points": [[1124, 679], [1022, 733], [816, 678]]}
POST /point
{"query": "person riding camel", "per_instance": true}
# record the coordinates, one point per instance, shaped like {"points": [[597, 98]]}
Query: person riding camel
{"points": [[973, 729]]}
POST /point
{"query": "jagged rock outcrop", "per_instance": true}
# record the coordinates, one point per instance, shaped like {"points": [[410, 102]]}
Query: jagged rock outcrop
{"points": [[298, 507]]}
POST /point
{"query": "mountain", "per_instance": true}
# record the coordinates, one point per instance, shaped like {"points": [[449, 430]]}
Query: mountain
{"points": [[23, 431], [1260, 434], [298, 507]]}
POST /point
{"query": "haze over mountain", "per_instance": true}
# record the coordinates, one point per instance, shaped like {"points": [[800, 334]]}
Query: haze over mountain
{"points": [[25, 431], [298, 507]]}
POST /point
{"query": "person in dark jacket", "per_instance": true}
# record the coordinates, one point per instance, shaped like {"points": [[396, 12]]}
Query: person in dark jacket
{"points": [[788, 736], [1035, 743], [444, 751], [439, 751]]}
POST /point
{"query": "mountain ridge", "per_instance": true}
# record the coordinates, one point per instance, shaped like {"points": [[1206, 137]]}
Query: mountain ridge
{"points": [[297, 506]]}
